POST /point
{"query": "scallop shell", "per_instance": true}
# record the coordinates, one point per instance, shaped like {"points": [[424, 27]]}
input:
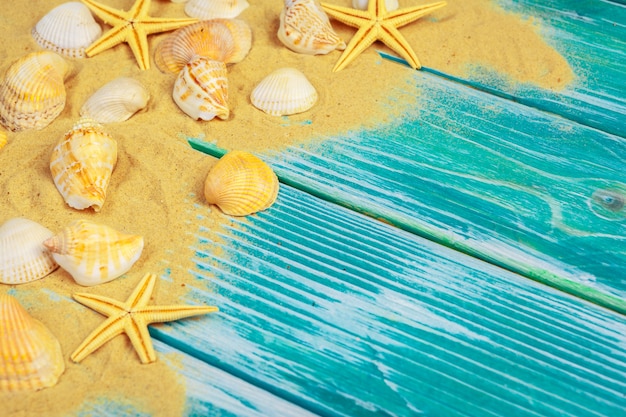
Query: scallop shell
{"points": [[241, 184], [67, 29], [215, 9], [92, 253], [390, 5], [226, 40], [201, 89], [285, 91], [82, 163], [32, 93], [30, 355], [23, 258], [305, 28], [116, 101]]}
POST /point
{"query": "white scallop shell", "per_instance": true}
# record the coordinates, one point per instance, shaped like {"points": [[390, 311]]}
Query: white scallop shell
{"points": [[214, 9], [201, 89], [67, 29], [23, 258], [390, 5], [116, 101], [283, 92]]}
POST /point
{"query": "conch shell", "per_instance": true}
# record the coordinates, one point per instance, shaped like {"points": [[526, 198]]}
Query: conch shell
{"points": [[116, 101], [283, 92], [215, 9]]}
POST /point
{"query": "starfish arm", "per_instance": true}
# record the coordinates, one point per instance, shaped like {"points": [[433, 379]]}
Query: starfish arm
{"points": [[137, 331], [364, 37], [101, 304], [108, 14], [142, 293], [162, 314], [102, 334], [402, 17], [139, 9], [346, 15], [391, 37], [138, 42], [164, 24], [110, 39]]}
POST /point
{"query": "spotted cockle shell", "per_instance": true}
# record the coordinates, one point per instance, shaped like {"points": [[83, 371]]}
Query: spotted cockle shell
{"points": [[32, 93], [30, 355], [390, 5], [214, 9], [67, 29], [285, 91], [241, 184], [93, 253], [82, 163], [23, 258], [116, 101], [305, 28], [225, 40], [201, 89]]}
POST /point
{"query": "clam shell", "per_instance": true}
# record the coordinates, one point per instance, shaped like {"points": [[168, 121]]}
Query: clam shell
{"points": [[215, 9], [32, 93], [241, 184], [390, 5], [201, 89], [116, 101], [81, 165], [23, 258], [305, 28], [92, 253], [225, 40], [285, 91], [67, 29], [30, 355]]}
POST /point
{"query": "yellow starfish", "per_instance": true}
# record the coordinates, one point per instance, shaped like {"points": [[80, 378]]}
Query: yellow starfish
{"points": [[131, 317], [376, 23], [132, 27]]}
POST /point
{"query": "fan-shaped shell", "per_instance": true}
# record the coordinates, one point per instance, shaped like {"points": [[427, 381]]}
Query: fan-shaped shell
{"points": [[30, 355], [201, 89], [92, 253], [225, 40], [81, 165], [285, 91], [241, 184], [32, 93], [215, 9], [67, 29], [23, 258], [116, 101], [390, 5], [305, 28]]}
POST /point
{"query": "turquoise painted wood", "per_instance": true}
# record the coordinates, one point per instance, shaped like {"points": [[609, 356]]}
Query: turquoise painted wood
{"points": [[346, 316]]}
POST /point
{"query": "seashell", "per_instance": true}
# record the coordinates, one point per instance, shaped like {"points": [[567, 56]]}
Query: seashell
{"points": [[23, 258], [201, 89], [390, 5], [67, 29], [30, 355], [3, 138], [305, 28], [32, 93], [92, 253], [82, 163], [285, 91], [116, 101], [225, 40], [241, 184], [215, 9]]}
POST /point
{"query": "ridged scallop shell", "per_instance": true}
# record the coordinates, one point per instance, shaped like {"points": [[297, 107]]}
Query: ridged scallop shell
{"points": [[30, 355], [23, 258], [201, 89], [390, 5], [93, 253], [215, 9], [32, 93], [284, 92], [305, 28], [241, 184], [81, 165], [225, 40], [67, 29], [116, 101]]}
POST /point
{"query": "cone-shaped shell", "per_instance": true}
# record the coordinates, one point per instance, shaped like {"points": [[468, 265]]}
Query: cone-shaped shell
{"points": [[215, 9], [81, 165], [30, 355], [201, 89], [67, 30], [116, 101], [305, 28], [94, 254], [32, 93], [225, 40], [241, 184], [23, 258], [285, 91]]}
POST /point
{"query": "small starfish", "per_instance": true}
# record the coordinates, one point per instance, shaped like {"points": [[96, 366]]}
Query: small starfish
{"points": [[132, 27], [376, 23], [131, 317]]}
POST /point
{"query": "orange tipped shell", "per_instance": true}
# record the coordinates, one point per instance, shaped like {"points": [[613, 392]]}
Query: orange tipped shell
{"points": [[30, 355], [215, 9], [201, 89], [241, 184]]}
